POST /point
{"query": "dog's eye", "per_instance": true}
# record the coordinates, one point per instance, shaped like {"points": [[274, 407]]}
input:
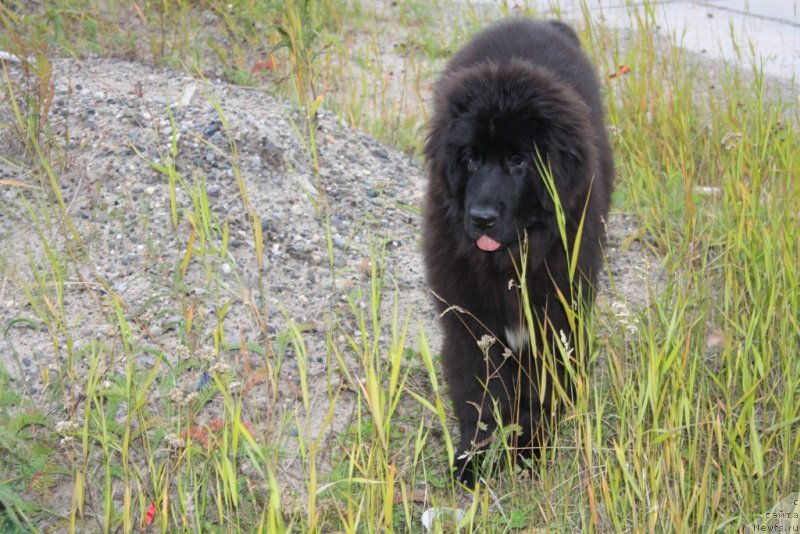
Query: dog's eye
{"points": [[516, 161]]}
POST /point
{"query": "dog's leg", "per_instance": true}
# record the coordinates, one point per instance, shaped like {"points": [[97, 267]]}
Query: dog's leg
{"points": [[481, 391]]}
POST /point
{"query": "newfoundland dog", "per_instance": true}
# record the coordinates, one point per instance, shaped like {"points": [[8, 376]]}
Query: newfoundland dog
{"points": [[516, 144]]}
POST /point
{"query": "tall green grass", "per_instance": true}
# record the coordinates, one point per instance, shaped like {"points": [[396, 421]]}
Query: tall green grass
{"points": [[687, 419]]}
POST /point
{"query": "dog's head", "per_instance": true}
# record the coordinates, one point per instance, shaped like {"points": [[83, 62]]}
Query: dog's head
{"points": [[497, 133]]}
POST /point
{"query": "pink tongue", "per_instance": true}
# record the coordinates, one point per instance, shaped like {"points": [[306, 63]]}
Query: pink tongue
{"points": [[487, 244]]}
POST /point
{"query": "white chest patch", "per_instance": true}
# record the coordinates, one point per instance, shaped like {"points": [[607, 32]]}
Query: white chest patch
{"points": [[517, 337]]}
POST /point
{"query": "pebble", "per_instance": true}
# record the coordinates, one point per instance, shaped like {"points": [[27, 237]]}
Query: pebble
{"points": [[211, 129], [338, 222], [213, 190], [380, 153]]}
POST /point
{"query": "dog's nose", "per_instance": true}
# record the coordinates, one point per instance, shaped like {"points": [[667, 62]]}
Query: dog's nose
{"points": [[483, 217]]}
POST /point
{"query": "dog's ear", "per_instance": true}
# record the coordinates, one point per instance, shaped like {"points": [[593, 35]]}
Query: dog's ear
{"points": [[444, 159], [455, 183], [573, 164]]}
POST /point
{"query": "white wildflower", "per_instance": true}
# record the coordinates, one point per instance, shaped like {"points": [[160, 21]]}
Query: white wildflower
{"points": [[731, 140], [176, 395], [62, 427], [565, 340], [220, 368], [174, 441], [207, 355], [486, 342]]}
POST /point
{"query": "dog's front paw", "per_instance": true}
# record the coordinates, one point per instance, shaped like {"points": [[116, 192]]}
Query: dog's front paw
{"points": [[464, 468]]}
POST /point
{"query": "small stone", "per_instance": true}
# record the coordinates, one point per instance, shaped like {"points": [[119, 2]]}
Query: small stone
{"points": [[213, 191], [211, 129], [380, 153], [149, 190], [371, 193], [296, 250], [338, 222], [226, 268]]}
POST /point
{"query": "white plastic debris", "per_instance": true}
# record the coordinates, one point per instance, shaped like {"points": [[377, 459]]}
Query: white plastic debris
{"points": [[451, 516], [7, 56], [188, 93]]}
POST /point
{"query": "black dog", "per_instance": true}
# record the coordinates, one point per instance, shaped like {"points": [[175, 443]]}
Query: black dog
{"points": [[519, 103]]}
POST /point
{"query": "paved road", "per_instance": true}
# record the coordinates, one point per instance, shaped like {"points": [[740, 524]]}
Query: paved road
{"points": [[765, 30]]}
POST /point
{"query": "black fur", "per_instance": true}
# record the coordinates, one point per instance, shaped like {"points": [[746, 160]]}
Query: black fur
{"points": [[519, 88]]}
